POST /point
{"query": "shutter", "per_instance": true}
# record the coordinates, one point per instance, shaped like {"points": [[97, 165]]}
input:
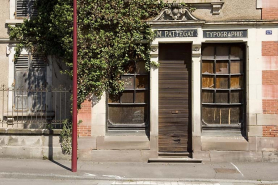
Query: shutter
{"points": [[21, 82], [22, 8], [25, 8], [38, 78]]}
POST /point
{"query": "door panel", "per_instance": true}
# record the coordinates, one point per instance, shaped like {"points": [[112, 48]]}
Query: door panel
{"points": [[174, 98]]}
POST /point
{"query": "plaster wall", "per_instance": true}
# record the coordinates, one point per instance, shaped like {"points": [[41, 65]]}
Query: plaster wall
{"points": [[4, 14], [230, 10]]}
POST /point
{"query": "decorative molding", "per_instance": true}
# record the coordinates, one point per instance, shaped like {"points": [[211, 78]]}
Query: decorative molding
{"points": [[216, 7], [154, 51], [175, 13], [196, 50]]}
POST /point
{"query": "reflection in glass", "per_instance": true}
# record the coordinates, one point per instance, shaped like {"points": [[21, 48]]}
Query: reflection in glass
{"points": [[126, 114], [222, 82], [236, 67], [142, 81], [140, 67], [222, 67], [141, 97], [208, 52], [129, 82], [207, 96], [236, 82], [222, 52], [236, 96], [207, 82], [127, 97], [222, 97], [236, 53], [207, 67]]}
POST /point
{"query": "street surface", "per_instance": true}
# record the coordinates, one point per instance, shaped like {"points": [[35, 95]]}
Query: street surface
{"points": [[34, 171]]}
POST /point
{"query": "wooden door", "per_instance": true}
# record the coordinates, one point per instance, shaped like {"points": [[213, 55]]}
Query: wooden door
{"points": [[174, 98]]}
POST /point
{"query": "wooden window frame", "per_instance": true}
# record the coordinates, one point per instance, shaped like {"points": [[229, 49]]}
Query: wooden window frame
{"points": [[242, 105], [131, 126]]}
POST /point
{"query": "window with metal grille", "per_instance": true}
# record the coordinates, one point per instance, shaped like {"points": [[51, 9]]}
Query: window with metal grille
{"points": [[223, 85], [130, 109], [30, 83], [25, 8]]}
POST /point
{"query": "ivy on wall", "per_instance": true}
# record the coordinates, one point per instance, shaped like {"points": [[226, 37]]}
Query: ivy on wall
{"points": [[110, 35]]}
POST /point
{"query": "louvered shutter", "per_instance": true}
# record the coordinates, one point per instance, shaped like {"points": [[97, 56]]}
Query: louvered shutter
{"points": [[38, 79], [21, 82], [25, 8]]}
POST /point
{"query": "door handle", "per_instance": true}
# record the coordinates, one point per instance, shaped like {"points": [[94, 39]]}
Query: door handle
{"points": [[175, 112]]}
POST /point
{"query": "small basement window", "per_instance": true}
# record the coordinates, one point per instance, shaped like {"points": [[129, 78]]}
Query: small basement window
{"points": [[223, 86]]}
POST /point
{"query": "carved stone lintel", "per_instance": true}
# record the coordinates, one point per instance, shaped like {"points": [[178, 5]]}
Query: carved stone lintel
{"points": [[175, 13]]}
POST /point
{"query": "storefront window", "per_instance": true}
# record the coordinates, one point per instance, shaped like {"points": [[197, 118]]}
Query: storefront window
{"points": [[129, 110], [223, 85]]}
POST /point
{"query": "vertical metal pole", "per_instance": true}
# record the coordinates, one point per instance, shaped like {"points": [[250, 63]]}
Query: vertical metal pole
{"points": [[74, 110]]}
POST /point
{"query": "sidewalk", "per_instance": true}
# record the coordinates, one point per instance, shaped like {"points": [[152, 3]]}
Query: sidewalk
{"points": [[14, 171]]}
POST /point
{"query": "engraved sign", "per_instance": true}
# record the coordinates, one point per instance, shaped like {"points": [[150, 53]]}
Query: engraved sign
{"points": [[176, 33], [225, 33]]}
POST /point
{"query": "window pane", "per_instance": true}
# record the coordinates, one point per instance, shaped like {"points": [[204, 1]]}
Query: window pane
{"points": [[208, 52], [222, 67], [236, 97], [140, 67], [113, 98], [127, 114], [207, 67], [127, 97], [222, 82], [222, 115], [142, 81], [236, 82], [222, 52], [236, 53], [129, 82], [207, 97], [222, 97], [235, 115], [130, 68], [207, 82], [141, 97], [210, 115], [236, 67]]}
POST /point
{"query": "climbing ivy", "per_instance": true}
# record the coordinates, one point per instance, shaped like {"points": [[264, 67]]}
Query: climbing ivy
{"points": [[111, 33]]}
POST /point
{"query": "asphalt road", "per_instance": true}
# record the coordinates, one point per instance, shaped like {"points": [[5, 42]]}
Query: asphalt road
{"points": [[34, 171]]}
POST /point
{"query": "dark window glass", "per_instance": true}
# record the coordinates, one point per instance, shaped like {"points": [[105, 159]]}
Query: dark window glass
{"points": [[223, 84], [130, 108]]}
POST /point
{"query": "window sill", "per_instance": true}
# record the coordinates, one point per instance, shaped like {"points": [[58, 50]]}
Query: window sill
{"points": [[14, 21], [224, 143]]}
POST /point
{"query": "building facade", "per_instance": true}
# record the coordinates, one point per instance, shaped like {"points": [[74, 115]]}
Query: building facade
{"points": [[213, 96]]}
